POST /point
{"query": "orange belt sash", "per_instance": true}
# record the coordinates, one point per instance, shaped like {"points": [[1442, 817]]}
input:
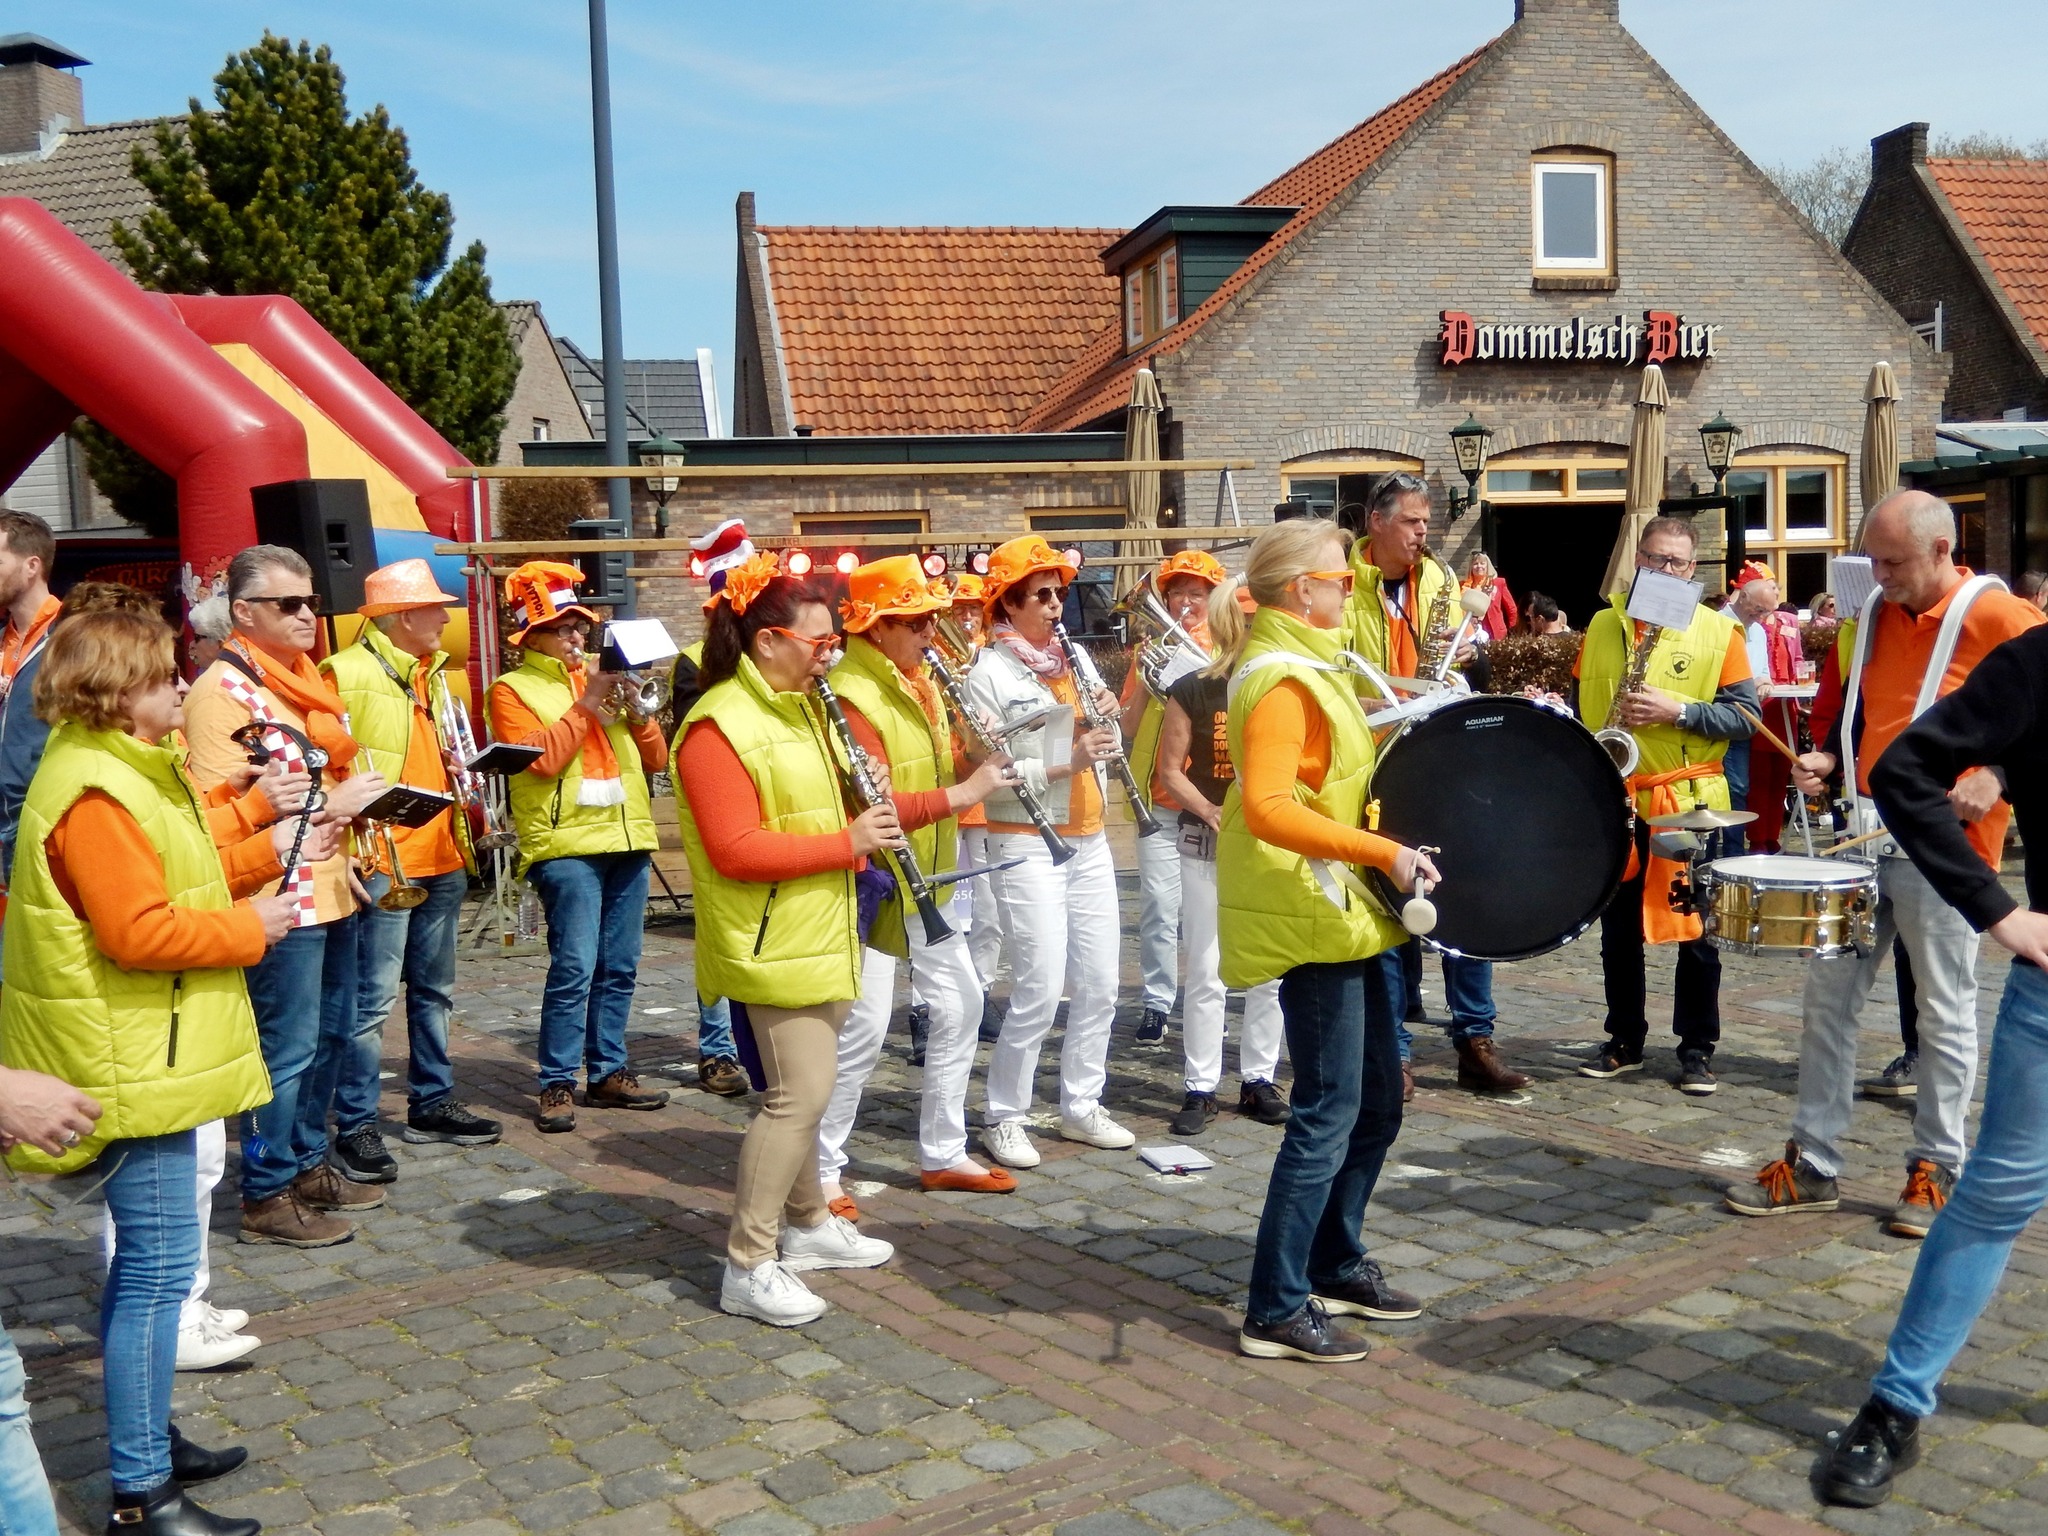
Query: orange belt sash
{"points": [[1661, 925]]}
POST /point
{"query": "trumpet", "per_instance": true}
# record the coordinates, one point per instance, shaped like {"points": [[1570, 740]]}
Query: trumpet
{"points": [[1088, 683], [1170, 647], [971, 724], [469, 787], [639, 694], [403, 895]]}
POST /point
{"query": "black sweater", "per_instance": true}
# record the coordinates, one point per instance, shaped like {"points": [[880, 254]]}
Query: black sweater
{"points": [[1998, 719]]}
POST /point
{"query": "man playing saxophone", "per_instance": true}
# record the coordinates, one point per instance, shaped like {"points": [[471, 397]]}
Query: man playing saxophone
{"points": [[1683, 700]]}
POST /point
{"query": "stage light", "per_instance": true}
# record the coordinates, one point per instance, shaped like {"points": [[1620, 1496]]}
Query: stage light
{"points": [[697, 567], [798, 563], [1074, 557], [978, 562], [935, 564], [847, 562]]}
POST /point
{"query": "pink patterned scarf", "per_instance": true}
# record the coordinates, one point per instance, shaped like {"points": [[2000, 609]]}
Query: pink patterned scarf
{"points": [[1050, 663]]}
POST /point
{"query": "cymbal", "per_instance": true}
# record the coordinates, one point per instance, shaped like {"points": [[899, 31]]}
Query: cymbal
{"points": [[1702, 819]]}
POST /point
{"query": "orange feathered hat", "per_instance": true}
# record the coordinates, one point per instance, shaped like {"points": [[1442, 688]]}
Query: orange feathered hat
{"points": [[894, 588]]}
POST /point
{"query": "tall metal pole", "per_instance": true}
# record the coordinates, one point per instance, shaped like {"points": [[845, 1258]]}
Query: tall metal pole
{"points": [[618, 492]]}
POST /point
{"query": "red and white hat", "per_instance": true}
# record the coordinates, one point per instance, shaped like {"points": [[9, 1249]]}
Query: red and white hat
{"points": [[719, 551]]}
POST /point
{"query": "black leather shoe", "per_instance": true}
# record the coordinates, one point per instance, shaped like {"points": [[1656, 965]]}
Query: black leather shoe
{"points": [[196, 1464], [1365, 1293], [165, 1511], [362, 1156], [1308, 1335], [1878, 1444]]}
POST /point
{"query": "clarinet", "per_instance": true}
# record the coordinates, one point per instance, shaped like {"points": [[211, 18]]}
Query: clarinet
{"points": [[1034, 808], [869, 793], [1088, 682]]}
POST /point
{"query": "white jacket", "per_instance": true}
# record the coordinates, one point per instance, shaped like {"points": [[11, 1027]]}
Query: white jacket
{"points": [[1004, 687]]}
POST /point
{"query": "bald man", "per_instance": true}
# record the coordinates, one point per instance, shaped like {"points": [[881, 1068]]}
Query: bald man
{"points": [[1929, 625]]}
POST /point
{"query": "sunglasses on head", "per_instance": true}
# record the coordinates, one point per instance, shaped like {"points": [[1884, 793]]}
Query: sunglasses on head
{"points": [[290, 604], [816, 643]]}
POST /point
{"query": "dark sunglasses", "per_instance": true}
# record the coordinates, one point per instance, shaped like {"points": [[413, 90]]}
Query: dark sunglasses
{"points": [[1046, 595], [290, 605]]}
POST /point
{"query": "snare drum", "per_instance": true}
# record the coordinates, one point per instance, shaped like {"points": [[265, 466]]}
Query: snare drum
{"points": [[1781, 903]]}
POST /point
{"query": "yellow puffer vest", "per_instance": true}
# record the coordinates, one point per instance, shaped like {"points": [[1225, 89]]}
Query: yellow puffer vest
{"points": [[1687, 666], [545, 812], [1144, 748], [162, 1051], [919, 759], [1272, 914], [380, 714], [1365, 615], [795, 943]]}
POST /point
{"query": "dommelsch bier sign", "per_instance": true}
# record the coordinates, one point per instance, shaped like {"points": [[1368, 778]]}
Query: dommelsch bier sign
{"points": [[1661, 337]]}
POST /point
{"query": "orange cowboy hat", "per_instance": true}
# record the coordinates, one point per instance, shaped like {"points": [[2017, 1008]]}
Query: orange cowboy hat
{"points": [[969, 589], [546, 591], [401, 585], [1198, 563], [894, 588], [1010, 563]]}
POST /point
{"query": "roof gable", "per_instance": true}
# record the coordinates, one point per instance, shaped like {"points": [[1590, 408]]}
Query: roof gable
{"points": [[1099, 380], [663, 394], [87, 180], [2002, 206], [932, 330]]}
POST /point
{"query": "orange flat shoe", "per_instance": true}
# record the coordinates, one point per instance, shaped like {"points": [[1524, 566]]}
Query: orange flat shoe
{"points": [[981, 1181], [842, 1205]]}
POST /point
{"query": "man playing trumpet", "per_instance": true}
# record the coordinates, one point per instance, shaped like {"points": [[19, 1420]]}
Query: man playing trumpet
{"points": [[391, 681]]}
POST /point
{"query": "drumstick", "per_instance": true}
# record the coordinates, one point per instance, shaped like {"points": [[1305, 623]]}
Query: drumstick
{"points": [[1767, 734], [1858, 842]]}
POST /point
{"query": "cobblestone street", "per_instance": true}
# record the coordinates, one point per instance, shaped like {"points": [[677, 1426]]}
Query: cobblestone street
{"points": [[526, 1338]]}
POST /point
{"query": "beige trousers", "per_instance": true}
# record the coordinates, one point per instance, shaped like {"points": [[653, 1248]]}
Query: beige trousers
{"points": [[778, 1178]]}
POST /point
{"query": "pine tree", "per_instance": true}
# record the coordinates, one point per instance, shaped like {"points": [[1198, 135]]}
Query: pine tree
{"points": [[278, 190]]}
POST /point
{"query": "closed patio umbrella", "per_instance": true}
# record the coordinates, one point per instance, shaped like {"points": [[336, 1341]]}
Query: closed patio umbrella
{"points": [[1880, 436], [1141, 445], [1645, 477]]}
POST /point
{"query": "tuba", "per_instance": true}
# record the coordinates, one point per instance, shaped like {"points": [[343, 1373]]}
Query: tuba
{"points": [[1167, 647]]}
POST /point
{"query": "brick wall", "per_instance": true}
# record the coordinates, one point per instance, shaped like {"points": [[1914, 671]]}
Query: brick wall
{"points": [[1336, 343], [31, 96], [542, 392]]}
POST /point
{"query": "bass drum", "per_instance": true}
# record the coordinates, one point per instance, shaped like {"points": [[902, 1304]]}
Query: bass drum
{"points": [[1531, 815]]}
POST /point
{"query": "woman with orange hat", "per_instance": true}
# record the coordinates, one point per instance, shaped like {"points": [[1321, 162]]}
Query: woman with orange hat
{"points": [[1183, 583], [983, 911], [898, 717], [1061, 919], [773, 859]]}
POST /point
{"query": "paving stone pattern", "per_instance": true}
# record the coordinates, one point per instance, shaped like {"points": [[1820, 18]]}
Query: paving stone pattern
{"points": [[526, 1338]]}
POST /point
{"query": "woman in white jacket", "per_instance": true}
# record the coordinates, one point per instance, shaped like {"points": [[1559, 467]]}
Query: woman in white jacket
{"points": [[1061, 919]]}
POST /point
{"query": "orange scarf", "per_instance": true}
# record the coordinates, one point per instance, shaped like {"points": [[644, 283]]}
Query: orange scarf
{"points": [[301, 686], [1661, 925]]}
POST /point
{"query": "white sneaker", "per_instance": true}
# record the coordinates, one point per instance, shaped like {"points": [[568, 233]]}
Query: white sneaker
{"points": [[1008, 1145], [207, 1346], [770, 1294], [1098, 1130], [835, 1243], [234, 1319]]}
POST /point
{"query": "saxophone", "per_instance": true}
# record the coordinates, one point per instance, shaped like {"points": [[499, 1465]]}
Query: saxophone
{"points": [[1437, 647], [1618, 740]]}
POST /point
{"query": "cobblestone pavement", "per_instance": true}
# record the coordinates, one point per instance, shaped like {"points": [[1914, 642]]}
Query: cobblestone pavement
{"points": [[526, 1338]]}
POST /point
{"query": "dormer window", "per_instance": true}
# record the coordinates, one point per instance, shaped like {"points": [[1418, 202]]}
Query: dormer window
{"points": [[1151, 297]]}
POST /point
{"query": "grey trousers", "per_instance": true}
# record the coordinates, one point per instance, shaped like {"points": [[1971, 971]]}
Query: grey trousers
{"points": [[1943, 948]]}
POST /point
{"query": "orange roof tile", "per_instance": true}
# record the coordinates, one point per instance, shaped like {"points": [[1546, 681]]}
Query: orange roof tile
{"points": [[1100, 379], [933, 330], [2003, 206]]}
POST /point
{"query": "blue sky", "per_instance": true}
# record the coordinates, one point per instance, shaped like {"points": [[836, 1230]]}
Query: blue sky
{"points": [[976, 111]]}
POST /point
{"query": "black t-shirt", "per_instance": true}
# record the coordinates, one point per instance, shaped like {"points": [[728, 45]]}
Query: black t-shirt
{"points": [[1210, 768]]}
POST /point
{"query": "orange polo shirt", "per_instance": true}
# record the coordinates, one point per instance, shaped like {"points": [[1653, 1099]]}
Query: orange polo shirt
{"points": [[1898, 658]]}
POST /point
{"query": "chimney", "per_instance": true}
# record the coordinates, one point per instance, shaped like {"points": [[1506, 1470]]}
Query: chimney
{"points": [[1896, 153], [38, 99], [1563, 10]]}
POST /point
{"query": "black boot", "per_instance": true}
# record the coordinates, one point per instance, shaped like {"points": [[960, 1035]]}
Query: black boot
{"points": [[196, 1464], [991, 1021], [1878, 1444], [165, 1511], [920, 1031]]}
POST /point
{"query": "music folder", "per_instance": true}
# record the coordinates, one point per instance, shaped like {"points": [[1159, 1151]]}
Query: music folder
{"points": [[406, 805], [503, 757]]}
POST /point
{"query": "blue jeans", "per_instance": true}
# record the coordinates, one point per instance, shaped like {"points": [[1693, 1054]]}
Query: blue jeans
{"points": [[1468, 993], [2004, 1183], [714, 1029], [415, 948], [1347, 1111], [25, 1505], [156, 1252], [596, 906], [304, 992]]}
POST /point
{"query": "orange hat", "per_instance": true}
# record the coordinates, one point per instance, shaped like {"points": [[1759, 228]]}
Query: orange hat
{"points": [[401, 585], [1753, 570], [1198, 563], [969, 589], [1010, 563], [546, 590], [894, 588]]}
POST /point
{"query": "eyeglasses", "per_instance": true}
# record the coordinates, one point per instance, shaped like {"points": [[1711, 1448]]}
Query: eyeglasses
{"points": [[915, 621], [1671, 563], [290, 605], [1051, 595], [1342, 578], [815, 643]]}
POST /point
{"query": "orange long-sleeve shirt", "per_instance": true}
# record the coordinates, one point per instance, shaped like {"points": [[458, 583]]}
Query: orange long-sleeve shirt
{"points": [[727, 804], [1287, 739], [562, 740], [116, 883]]}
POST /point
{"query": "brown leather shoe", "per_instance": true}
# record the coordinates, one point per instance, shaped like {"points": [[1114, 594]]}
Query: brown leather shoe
{"points": [[622, 1090], [286, 1219], [557, 1111], [722, 1075], [1481, 1069], [1407, 1083], [324, 1189]]}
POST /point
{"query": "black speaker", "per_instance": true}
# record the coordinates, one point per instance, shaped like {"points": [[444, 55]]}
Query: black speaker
{"points": [[604, 573], [327, 521]]}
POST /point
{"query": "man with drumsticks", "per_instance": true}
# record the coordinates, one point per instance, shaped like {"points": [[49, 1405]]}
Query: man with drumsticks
{"points": [[1695, 689], [1393, 591], [1920, 636]]}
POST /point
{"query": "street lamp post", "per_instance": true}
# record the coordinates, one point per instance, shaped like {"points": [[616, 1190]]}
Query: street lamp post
{"points": [[1717, 446], [1469, 444], [662, 452]]}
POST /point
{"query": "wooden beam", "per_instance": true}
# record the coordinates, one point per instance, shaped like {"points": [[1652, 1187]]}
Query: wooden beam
{"points": [[927, 539], [829, 471]]}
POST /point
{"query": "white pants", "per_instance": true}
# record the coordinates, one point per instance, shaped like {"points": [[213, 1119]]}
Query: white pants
{"points": [[1159, 913], [942, 978], [1201, 1013], [985, 933], [210, 1147], [1062, 925]]}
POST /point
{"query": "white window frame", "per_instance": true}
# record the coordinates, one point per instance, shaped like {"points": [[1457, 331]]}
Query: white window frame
{"points": [[1601, 169], [1134, 308]]}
